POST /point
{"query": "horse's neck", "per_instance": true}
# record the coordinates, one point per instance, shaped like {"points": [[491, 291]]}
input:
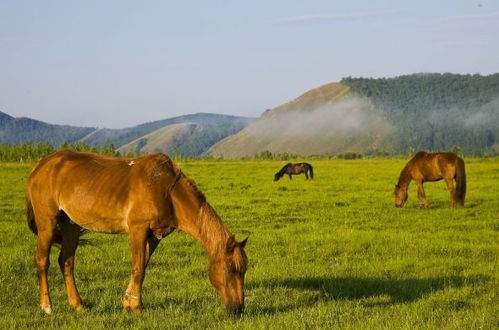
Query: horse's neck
{"points": [[208, 229], [405, 177]]}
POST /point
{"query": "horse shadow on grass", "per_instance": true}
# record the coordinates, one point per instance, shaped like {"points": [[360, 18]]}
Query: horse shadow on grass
{"points": [[394, 291]]}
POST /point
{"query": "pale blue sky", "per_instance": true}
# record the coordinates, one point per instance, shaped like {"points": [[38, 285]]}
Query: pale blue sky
{"points": [[120, 63]]}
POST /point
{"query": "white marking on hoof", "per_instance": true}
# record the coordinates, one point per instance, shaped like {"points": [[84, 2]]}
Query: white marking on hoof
{"points": [[131, 163], [47, 309]]}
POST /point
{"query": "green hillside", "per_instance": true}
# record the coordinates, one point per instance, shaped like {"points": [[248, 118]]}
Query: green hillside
{"points": [[398, 115], [120, 137]]}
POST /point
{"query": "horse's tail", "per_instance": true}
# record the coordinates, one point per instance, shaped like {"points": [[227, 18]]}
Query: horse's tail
{"points": [[311, 171], [30, 215], [460, 181]]}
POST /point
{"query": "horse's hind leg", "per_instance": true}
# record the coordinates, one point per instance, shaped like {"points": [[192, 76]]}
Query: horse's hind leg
{"points": [[306, 175], [70, 239], [46, 231], [452, 190]]}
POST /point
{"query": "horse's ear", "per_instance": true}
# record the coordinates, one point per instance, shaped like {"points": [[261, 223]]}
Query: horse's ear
{"points": [[243, 242], [231, 244]]}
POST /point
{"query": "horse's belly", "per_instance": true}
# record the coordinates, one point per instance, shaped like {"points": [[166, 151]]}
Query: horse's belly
{"points": [[98, 222]]}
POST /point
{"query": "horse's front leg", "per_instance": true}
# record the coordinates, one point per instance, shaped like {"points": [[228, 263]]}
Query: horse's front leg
{"points": [[421, 195], [138, 241], [452, 191], [290, 176]]}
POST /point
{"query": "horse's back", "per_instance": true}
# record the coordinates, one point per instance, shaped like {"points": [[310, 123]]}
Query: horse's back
{"points": [[68, 167], [99, 192], [88, 160], [433, 166]]}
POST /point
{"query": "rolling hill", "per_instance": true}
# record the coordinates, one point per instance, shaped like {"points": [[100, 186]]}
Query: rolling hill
{"points": [[327, 119], [188, 138], [120, 137], [364, 115]]}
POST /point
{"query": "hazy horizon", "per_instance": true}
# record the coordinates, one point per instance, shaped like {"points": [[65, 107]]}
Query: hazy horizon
{"points": [[117, 64]]}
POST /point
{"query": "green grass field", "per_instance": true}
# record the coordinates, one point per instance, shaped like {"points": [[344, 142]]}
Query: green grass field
{"points": [[329, 253]]}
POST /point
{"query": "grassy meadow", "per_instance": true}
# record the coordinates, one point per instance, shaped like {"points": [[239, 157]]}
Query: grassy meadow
{"points": [[332, 252]]}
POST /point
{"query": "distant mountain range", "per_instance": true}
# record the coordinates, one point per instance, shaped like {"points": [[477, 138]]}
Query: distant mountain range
{"points": [[398, 115], [19, 130], [205, 130]]}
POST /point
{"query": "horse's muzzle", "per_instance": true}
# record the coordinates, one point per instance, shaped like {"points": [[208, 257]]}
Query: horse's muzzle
{"points": [[235, 310]]}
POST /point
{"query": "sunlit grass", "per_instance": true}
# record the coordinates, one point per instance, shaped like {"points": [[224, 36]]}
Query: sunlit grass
{"points": [[329, 253]]}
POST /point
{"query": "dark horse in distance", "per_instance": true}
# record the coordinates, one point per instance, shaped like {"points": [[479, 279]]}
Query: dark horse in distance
{"points": [[147, 197], [293, 169], [425, 167]]}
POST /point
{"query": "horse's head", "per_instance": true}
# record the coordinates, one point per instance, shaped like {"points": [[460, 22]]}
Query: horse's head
{"points": [[227, 275], [278, 175], [400, 196]]}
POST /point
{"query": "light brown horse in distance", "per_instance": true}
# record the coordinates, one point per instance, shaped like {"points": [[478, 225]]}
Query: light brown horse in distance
{"points": [[425, 167], [147, 197]]}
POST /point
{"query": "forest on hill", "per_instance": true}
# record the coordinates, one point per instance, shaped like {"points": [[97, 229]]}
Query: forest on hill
{"points": [[436, 111]]}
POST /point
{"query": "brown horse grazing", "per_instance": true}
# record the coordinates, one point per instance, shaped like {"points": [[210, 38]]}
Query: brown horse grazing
{"points": [[426, 166], [147, 197], [293, 169]]}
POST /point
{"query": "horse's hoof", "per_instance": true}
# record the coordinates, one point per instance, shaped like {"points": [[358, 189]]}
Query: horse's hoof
{"points": [[135, 310], [78, 309], [47, 309]]}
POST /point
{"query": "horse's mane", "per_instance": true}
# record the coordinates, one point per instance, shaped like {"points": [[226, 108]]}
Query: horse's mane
{"points": [[200, 196], [285, 167], [282, 171], [214, 234], [212, 230]]}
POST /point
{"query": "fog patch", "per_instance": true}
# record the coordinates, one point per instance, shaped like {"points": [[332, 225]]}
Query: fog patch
{"points": [[483, 116], [348, 125]]}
